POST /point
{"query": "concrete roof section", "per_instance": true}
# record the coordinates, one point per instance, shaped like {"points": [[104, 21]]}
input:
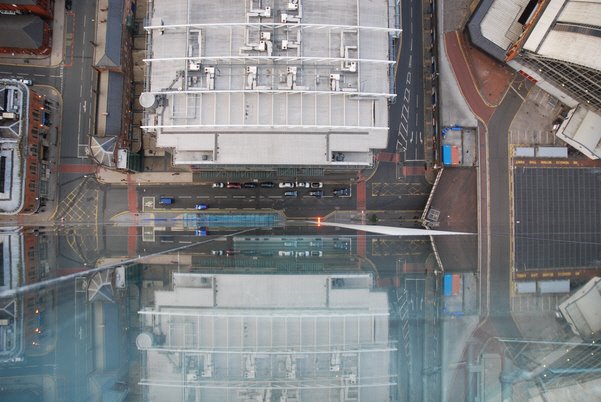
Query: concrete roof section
{"points": [[494, 25], [568, 30], [581, 310], [582, 130], [284, 83], [245, 336], [501, 25]]}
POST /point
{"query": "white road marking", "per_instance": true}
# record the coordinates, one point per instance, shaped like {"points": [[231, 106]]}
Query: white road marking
{"points": [[185, 196]]}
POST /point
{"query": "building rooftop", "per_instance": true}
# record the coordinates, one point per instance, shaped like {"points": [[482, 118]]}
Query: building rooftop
{"points": [[291, 83], [322, 336], [14, 106], [567, 21], [21, 31]]}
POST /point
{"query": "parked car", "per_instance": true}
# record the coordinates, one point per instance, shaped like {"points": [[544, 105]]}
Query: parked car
{"points": [[286, 184], [166, 201], [217, 252], [201, 232], [218, 185], [316, 193], [233, 185], [249, 185], [285, 253], [26, 81], [267, 184], [291, 193], [200, 206], [317, 184], [303, 184], [342, 192]]}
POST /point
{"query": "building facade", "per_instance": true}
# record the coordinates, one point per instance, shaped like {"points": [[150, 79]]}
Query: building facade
{"points": [[24, 148]]}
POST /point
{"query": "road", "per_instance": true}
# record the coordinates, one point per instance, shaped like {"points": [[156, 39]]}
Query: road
{"points": [[499, 196], [406, 116], [74, 80], [384, 197]]}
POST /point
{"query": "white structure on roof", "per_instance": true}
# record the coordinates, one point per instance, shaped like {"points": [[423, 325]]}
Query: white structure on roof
{"points": [[268, 337], [582, 312], [271, 82], [582, 130], [561, 32]]}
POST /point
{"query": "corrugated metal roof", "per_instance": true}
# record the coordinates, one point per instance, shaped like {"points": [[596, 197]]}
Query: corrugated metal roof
{"points": [[21, 31], [115, 103], [572, 47], [500, 23], [582, 13], [543, 25], [284, 102], [581, 130], [114, 22]]}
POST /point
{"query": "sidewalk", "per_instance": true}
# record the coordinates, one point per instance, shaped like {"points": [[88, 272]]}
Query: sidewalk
{"points": [[107, 176], [58, 42]]}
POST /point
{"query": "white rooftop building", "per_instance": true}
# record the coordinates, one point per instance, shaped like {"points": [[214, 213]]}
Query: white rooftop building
{"points": [[269, 82], [555, 43], [266, 337]]}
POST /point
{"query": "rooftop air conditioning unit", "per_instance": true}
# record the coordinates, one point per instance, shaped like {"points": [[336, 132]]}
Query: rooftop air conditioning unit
{"points": [[265, 35]]}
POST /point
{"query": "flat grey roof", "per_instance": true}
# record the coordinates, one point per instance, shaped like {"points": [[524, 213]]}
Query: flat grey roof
{"points": [[557, 215], [319, 335], [238, 85]]}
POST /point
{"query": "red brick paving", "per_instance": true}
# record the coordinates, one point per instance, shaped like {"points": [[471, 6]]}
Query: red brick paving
{"points": [[361, 194], [132, 199], [413, 171], [388, 157], [466, 81], [492, 77], [132, 206]]}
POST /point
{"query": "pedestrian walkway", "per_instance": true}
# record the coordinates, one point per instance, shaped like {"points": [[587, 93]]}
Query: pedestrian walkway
{"points": [[388, 157], [108, 176], [467, 83]]}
